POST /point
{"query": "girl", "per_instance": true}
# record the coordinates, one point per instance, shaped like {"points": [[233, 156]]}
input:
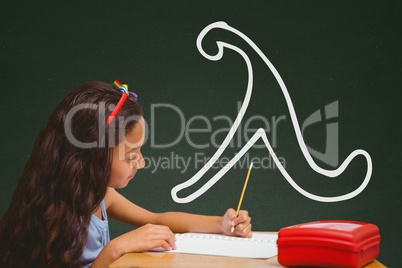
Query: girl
{"points": [[58, 214]]}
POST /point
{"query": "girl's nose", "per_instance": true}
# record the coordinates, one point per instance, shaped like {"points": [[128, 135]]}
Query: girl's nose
{"points": [[141, 161]]}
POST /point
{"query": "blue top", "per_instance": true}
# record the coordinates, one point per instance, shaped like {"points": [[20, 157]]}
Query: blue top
{"points": [[98, 237]]}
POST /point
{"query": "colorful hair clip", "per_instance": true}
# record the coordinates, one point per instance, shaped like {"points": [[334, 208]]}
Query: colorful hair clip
{"points": [[122, 87], [125, 93]]}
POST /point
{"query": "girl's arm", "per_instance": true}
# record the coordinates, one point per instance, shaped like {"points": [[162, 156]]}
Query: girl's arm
{"points": [[121, 209], [156, 228], [142, 239]]}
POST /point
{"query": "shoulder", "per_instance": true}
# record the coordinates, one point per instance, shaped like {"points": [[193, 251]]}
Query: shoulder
{"points": [[111, 197], [108, 197]]}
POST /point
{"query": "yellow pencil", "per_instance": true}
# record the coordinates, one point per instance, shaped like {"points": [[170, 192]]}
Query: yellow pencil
{"points": [[242, 194]]}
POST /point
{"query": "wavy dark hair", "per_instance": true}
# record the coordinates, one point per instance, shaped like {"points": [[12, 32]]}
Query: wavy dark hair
{"points": [[62, 184]]}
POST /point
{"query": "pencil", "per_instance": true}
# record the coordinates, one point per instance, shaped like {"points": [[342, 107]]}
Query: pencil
{"points": [[242, 194]]}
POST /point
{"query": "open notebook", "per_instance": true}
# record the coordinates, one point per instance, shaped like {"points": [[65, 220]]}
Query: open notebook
{"points": [[259, 246]]}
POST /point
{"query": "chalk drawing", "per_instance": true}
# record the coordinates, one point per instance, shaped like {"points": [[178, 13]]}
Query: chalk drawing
{"points": [[260, 133]]}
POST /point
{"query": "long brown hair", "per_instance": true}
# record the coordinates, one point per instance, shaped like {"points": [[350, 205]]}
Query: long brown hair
{"points": [[62, 183]]}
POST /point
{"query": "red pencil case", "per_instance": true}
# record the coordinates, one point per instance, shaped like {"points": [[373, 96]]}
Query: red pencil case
{"points": [[328, 244]]}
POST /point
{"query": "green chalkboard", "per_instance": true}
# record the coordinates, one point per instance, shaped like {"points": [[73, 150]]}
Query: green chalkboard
{"points": [[340, 61]]}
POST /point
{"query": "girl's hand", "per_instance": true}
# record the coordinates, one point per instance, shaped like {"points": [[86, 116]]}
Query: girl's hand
{"points": [[145, 238], [242, 223]]}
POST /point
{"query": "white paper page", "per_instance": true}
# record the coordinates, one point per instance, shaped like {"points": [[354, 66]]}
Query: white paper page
{"points": [[259, 246]]}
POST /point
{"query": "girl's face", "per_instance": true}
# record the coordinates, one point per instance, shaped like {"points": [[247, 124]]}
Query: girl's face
{"points": [[127, 157]]}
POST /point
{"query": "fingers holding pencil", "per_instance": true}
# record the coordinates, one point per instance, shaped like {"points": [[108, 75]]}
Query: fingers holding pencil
{"points": [[243, 230], [242, 223]]}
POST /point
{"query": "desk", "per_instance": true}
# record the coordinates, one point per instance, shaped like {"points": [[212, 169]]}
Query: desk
{"points": [[171, 259], [160, 259]]}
